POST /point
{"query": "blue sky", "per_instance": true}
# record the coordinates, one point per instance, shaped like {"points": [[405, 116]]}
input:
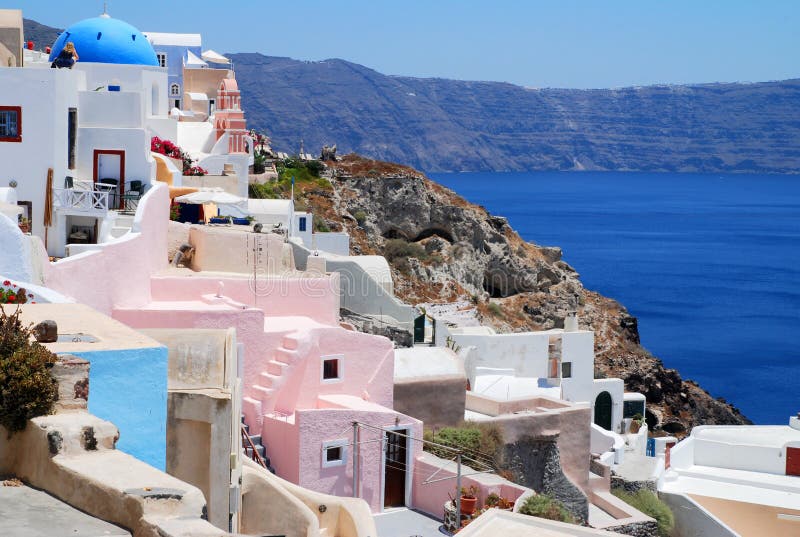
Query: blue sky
{"points": [[554, 43]]}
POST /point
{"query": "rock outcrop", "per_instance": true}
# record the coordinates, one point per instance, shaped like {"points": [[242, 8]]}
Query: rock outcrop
{"points": [[452, 250]]}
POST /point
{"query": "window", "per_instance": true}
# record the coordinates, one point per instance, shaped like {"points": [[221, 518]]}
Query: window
{"points": [[162, 59], [10, 124], [72, 130], [331, 368], [334, 453], [211, 106], [175, 90], [302, 224], [566, 370]]}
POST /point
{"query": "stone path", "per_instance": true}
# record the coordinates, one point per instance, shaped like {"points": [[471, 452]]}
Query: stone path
{"points": [[27, 512]]}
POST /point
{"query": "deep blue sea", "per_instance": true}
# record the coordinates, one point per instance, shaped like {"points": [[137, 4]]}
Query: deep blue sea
{"points": [[710, 265]]}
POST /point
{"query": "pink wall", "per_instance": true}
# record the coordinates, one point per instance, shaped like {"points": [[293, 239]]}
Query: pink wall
{"points": [[431, 497], [367, 367], [317, 298], [282, 441], [318, 426], [118, 273]]}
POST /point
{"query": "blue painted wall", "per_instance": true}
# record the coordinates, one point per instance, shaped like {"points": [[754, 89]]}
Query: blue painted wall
{"points": [[176, 54], [129, 389]]}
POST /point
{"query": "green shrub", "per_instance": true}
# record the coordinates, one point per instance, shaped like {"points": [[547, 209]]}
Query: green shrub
{"points": [[320, 224], [545, 506], [484, 441], [360, 217], [495, 309], [27, 389], [649, 504], [268, 191], [399, 248]]}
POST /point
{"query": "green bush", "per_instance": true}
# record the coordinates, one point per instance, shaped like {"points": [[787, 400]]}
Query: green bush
{"points": [[649, 504], [27, 389], [545, 506], [484, 441], [495, 309], [399, 248], [360, 217], [320, 224]]}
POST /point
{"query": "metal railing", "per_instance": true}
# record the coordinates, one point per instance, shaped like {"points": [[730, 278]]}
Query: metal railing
{"points": [[88, 201], [247, 442]]}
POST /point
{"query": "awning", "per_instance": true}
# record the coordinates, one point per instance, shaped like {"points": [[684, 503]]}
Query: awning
{"points": [[216, 195], [214, 57], [193, 61]]}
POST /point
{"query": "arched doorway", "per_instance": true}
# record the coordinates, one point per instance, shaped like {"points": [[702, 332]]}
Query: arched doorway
{"points": [[602, 410]]}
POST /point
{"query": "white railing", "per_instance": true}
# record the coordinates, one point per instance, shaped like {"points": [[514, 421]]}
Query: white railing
{"points": [[85, 201]]}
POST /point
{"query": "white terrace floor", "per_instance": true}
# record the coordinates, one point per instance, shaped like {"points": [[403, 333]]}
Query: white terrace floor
{"points": [[404, 522]]}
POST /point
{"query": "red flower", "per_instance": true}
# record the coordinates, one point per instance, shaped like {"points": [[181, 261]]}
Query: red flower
{"points": [[30, 295], [11, 297], [6, 282]]}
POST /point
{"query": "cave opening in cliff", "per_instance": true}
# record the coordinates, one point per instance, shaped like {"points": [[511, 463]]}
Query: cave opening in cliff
{"points": [[394, 234], [433, 231]]}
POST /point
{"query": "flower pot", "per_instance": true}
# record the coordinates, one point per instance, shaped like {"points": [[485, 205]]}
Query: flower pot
{"points": [[635, 426], [468, 505]]}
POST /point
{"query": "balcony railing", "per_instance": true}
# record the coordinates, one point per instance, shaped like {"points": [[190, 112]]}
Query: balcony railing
{"points": [[81, 201]]}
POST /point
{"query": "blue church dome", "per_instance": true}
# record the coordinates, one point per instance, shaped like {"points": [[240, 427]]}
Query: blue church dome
{"points": [[106, 40]]}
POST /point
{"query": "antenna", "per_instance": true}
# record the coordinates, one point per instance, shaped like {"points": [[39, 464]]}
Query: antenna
{"points": [[105, 14]]}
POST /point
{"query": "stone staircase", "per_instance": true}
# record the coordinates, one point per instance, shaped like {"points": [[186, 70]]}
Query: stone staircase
{"points": [[259, 447], [276, 373]]}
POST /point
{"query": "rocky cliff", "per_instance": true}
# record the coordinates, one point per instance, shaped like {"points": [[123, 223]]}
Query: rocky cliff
{"points": [[444, 249], [452, 125]]}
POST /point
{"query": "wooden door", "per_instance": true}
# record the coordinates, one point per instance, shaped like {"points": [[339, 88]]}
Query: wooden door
{"points": [[602, 410], [394, 476], [793, 461]]}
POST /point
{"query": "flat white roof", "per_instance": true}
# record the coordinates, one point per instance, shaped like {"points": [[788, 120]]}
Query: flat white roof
{"points": [[180, 40], [272, 207], [749, 435], [418, 362]]}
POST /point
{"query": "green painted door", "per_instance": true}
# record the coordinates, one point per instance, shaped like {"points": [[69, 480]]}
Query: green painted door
{"points": [[419, 329], [602, 410]]}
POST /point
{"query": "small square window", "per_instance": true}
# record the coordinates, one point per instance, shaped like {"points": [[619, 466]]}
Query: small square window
{"points": [[10, 124], [566, 370], [330, 369], [333, 454], [162, 59]]}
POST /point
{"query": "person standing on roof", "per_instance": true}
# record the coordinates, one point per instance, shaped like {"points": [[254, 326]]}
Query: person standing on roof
{"points": [[67, 57]]}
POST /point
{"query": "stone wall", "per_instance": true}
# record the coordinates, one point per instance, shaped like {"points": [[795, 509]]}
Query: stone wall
{"points": [[637, 529], [632, 487], [535, 463]]}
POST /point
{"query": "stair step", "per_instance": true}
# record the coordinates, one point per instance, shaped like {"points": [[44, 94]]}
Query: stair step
{"points": [[256, 439], [263, 392], [276, 368], [260, 450], [245, 426], [269, 381], [290, 342], [285, 356]]}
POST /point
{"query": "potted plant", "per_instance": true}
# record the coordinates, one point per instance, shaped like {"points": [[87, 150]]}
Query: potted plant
{"points": [[24, 224], [498, 502], [469, 499], [636, 423]]}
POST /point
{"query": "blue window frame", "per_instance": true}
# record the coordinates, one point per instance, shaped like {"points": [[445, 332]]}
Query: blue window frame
{"points": [[302, 224]]}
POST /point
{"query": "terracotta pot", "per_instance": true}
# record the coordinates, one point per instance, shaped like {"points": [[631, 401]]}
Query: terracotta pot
{"points": [[25, 228], [468, 505], [635, 426]]}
